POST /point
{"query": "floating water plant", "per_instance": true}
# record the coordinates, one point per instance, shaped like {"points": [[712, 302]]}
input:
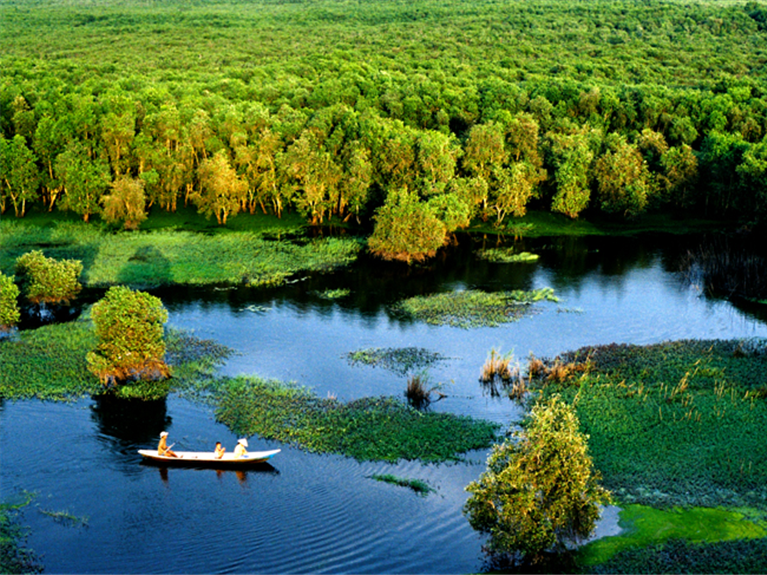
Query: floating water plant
{"points": [[507, 256], [419, 486], [15, 557], [66, 518], [473, 308], [333, 294], [400, 360], [368, 429]]}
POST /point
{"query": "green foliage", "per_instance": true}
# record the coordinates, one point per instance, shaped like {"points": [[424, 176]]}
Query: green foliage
{"points": [[400, 360], [473, 308], [421, 487], [507, 256], [678, 423], [369, 429], [9, 307], [623, 180], [129, 326], [406, 229], [46, 280], [126, 203], [541, 490]]}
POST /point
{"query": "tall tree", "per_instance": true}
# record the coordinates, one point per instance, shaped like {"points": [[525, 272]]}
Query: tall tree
{"points": [[540, 491], [623, 179], [126, 203], [221, 189], [84, 180], [19, 178], [572, 157]]}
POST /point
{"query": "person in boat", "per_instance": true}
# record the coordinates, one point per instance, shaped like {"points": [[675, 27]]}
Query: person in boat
{"points": [[219, 452], [162, 447], [240, 450]]}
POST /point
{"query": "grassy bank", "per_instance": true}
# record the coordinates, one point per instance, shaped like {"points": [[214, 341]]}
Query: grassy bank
{"points": [[165, 254]]}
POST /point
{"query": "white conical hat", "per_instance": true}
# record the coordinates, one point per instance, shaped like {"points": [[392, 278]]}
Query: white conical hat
{"points": [[243, 441]]}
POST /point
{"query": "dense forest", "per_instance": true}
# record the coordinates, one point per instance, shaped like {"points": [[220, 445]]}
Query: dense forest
{"points": [[384, 111]]}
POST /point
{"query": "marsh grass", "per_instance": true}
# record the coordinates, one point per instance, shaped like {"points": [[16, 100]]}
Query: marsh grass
{"points": [[496, 366], [418, 392], [473, 308], [400, 360], [368, 429], [421, 487], [168, 257], [678, 423]]}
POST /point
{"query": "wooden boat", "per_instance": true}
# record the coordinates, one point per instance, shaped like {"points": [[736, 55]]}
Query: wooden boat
{"points": [[207, 458]]}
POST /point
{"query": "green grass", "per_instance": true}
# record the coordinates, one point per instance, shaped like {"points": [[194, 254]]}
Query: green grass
{"points": [[419, 486], [400, 360], [368, 429], [675, 424], [166, 256], [473, 308], [645, 527]]}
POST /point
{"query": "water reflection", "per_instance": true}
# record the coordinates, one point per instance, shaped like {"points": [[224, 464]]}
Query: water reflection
{"points": [[130, 421], [241, 474]]}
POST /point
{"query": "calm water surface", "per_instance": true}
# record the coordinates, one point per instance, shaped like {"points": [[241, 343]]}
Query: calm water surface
{"points": [[318, 513]]}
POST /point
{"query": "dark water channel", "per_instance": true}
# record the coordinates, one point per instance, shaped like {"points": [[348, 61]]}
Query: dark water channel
{"points": [[320, 513]]}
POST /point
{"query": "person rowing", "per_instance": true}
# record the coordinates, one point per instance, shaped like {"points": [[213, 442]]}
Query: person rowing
{"points": [[163, 448]]}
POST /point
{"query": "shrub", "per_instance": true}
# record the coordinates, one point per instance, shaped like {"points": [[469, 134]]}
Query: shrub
{"points": [[129, 327], [540, 491], [48, 281], [9, 309]]}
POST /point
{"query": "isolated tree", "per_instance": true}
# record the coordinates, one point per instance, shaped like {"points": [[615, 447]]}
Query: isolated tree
{"points": [[46, 280], [406, 228], [540, 490], [9, 307], [126, 203], [129, 327]]}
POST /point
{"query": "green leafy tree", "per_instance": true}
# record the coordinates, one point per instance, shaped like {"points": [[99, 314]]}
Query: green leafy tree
{"points": [[221, 189], [84, 181], [623, 179], [126, 203], [572, 157], [680, 175], [9, 307], [540, 491], [19, 177], [406, 228], [130, 329], [47, 280]]}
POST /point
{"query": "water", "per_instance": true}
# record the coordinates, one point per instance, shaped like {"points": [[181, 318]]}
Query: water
{"points": [[320, 513]]}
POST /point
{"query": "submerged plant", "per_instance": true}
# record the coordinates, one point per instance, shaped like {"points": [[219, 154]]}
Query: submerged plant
{"points": [[419, 486], [400, 360]]}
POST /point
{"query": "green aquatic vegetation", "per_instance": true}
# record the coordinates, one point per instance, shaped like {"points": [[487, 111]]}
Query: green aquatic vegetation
{"points": [[166, 257], [334, 294], [14, 556], [678, 423], [66, 518], [644, 526], [473, 308], [400, 360], [418, 485], [368, 429], [507, 256], [49, 363]]}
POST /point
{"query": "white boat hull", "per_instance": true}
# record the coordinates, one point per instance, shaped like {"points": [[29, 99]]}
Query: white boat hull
{"points": [[208, 457]]}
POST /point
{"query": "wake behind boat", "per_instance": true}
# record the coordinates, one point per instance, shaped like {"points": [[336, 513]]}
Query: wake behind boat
{"points": [[208, 457]]}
